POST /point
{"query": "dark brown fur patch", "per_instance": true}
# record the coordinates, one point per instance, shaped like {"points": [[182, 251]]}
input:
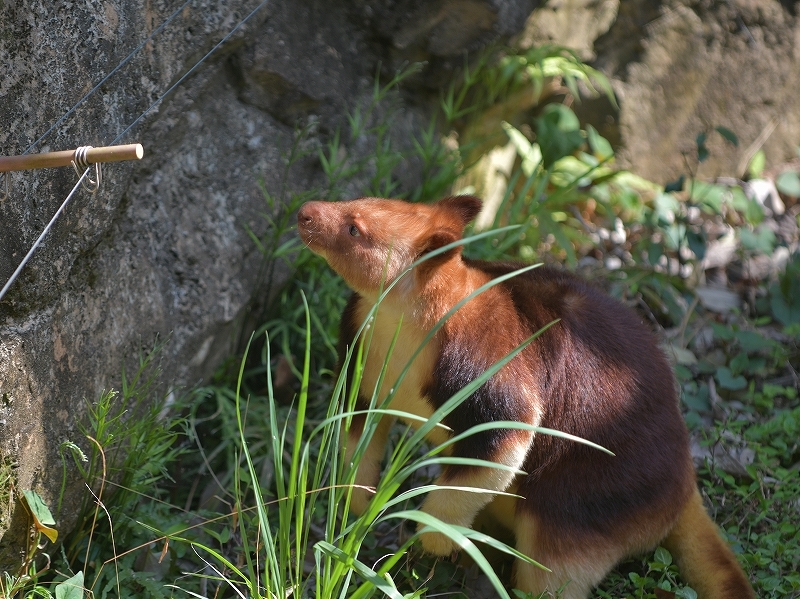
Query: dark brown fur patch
{"points": [[599, 375]]}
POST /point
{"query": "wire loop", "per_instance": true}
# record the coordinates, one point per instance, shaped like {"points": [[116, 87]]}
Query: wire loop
{"points": [[81, 164], [5, 187]]}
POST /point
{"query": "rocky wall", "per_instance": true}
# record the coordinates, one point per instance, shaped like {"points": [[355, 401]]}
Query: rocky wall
{"points": [[681, 68]]}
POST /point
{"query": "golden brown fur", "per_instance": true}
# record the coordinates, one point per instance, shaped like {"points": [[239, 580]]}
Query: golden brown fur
{"points": [[597, 374]]}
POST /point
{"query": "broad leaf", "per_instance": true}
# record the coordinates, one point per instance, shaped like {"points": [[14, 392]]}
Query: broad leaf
{"points": [[42, 518], [558, 133], [728, 135], [788, 182], [72, 588]]}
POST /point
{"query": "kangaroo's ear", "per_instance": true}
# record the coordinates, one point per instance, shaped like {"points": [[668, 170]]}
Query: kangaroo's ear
{"points": [[440, 238], [464, 208]]}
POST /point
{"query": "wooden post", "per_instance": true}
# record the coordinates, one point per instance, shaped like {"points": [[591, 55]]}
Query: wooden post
{"points": [[66, 157]]}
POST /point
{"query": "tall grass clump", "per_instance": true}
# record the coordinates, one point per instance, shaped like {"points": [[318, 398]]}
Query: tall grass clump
{"points": [[132, 442]]}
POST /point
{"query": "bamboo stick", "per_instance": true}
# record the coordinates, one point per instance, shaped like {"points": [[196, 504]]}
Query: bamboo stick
{"points": [[65, 157]]}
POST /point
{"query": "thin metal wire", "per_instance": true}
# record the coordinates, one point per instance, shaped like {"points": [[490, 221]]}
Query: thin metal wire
{"points": [[43, 235], [5, 187], [190, 71], [125, 61]]}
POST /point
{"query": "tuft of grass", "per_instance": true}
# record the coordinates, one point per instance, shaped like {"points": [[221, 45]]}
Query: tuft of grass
{"points": [[129, 445], [132, 441]]}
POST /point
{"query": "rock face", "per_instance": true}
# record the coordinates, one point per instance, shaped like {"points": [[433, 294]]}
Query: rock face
{"points": [[162, 250], [683, 67]]}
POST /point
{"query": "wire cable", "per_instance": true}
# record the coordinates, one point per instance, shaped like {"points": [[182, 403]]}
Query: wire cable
{"points": [[189, 72], [43, 235], [107, 77]]}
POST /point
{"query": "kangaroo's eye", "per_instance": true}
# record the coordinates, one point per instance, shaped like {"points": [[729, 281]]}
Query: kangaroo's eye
{"points": [[354, 231]]}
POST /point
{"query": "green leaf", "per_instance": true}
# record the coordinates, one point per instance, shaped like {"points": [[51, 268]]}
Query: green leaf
{"points": [[72, 588], [709, 196], [786, 309], [674, 234], [753, 211], [701, 139], [384, 584], [757, 164], [42, 518], [666, 207], [548, 225], [702, 150], [686, 593], [728, 135], [753, 342], [676, 185], [635, 578], [530, 153], [601, 148], [461, 537], [697, 400], [697, 242], [762, 240], [788, 182], [728, 381], [654, 252], [739, 364], [663, 556], [558, 133]]}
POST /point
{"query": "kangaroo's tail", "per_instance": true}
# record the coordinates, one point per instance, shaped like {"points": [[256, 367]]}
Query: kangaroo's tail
{"points": [[704, 558]]}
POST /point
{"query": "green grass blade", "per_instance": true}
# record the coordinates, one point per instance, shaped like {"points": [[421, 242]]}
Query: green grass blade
{"points": [[513, 424], [385, 584], [266, 533], [457, 534]]}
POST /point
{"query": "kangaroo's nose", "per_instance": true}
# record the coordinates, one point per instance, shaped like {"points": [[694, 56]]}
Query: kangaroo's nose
{"points": [[308, 213]]}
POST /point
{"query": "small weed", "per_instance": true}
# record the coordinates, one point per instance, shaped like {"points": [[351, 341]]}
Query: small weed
{"points": [[643, 579], [130, 442], [758, 508]]}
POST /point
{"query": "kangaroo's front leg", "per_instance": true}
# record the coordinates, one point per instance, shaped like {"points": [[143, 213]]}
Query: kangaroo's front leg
{"points": [[502, 446], [369, 467]]}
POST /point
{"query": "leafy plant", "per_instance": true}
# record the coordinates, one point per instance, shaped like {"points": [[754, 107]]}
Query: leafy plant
{"points": [[502, 76], [132, 443], [758, 509], [646, 578], [784, 296], [27, 581]]}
